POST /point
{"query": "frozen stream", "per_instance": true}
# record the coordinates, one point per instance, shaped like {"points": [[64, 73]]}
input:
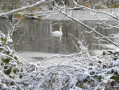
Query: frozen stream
{"points": [[34, 42], [44, 59]]}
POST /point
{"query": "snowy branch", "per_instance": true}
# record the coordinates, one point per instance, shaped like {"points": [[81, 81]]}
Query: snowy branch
{"points": [[92, 29], [22, 8]]}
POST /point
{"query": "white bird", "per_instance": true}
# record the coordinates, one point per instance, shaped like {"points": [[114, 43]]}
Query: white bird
{"points": [[58, 33]]}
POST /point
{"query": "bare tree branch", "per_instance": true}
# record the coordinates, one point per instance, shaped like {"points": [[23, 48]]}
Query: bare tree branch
{"points": [[92, 29], [22, 8]]}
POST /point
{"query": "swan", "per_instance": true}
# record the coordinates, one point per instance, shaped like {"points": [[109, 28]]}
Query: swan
{"points": [[58, 33]]}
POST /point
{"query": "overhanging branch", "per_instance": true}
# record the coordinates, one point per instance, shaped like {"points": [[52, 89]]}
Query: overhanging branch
{"points": [[86, 26], [22, 8]]}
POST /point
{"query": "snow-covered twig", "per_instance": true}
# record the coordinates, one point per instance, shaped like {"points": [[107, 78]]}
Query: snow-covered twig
{"points": [[22, 8], [86, 26]]}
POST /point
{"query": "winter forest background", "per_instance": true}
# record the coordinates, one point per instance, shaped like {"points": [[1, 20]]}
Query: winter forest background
{"points": [[59, 44]]}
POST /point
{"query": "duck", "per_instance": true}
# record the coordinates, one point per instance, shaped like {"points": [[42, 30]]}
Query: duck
{"points": [[115, 35], [58, 33]]}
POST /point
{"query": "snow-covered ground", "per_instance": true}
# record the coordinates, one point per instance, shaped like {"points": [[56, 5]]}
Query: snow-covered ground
{"points": [[44, 59]]}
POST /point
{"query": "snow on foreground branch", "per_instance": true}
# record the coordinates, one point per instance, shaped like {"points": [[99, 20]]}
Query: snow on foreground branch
{"points": [[22, 8], [89, 73]]}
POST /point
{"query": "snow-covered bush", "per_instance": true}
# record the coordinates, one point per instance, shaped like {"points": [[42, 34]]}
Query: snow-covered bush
{"points": [[9, 62], [89, 73], [82, 72], [10, 65]]}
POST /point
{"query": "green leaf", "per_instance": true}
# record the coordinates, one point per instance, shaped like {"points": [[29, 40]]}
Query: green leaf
{"points": [[21, 70], [115, 58], [112, 71], [14, 71], [99, 78], [6, 60], [7, 71], [11, 55], [116, 78], [110, 52], [5, 67], [99, 62], [104, 66], [12, 83], [15, 58], [1, 49], [7, 52], [115, 54], [108, 72], [91, 64], [104, 53], [4, 40], [116, 73], [11, 77], [20, 76]]}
